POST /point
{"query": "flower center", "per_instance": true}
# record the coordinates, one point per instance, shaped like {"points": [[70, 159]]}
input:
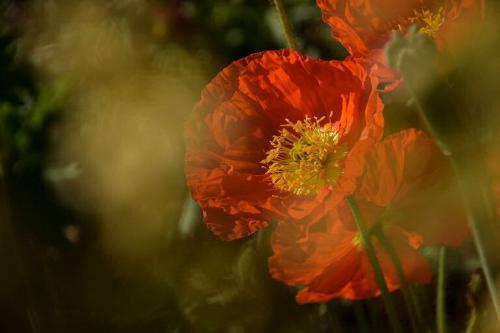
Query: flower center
{"points": [[429, 21], [305, 156]]}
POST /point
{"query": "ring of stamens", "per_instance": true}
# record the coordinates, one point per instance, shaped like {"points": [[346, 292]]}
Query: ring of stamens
{"points": [[429, 21], [305, 156]]}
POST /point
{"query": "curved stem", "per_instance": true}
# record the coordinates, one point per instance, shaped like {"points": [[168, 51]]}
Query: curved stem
{"points": [[473, 206], [285, 23], [377, 269], [414, 309], [427, 123], [441, 292], [471, 323], [472, 197]]}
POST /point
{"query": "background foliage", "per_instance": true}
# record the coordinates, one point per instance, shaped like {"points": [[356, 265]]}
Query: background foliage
{"points": [[97, 230]]}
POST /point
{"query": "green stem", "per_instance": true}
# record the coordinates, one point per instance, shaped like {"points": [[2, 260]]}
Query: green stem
{"points": [[422, 293], [285, 23], [441, 292], [377, 269], [414, 309], [427, 123], [472, 202], [473, 288], [471, 323], [470, 194]]}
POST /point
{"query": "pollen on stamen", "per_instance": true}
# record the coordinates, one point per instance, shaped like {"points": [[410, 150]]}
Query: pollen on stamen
{"points": [[430, 21], [305, 156]]}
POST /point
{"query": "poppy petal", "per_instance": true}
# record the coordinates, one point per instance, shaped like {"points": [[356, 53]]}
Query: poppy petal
{"points": [[243, 108]]}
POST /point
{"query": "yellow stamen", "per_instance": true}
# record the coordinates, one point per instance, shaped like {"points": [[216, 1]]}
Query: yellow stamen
{"points": [[305, 156], [429, 21]]}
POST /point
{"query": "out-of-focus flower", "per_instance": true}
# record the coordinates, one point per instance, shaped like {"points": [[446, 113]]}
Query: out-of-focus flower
{"points": [[276, 134], [363, 26], [407, 193]]}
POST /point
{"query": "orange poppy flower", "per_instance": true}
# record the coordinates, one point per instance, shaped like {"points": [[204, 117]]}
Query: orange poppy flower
{"points": [[364, 26], [406, 193], [276, 132]]}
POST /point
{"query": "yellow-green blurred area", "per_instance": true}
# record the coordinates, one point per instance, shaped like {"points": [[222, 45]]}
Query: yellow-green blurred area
{"points": [[97, 229]]}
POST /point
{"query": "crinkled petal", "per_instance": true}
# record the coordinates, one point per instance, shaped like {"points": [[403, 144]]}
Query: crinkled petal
{"points": [[359, 281], [300, 255], [321, 256], [409, 176], [365, 25], [302, 86], [241, 110]]}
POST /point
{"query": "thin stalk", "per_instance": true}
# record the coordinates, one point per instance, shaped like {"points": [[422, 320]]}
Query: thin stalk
{"points": [[414, 309], [470, 197], [422, 293], [474, 216], [471, 323], [471, 297], [285, 23], [441, 292], [377, 269], [427, 123]]}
